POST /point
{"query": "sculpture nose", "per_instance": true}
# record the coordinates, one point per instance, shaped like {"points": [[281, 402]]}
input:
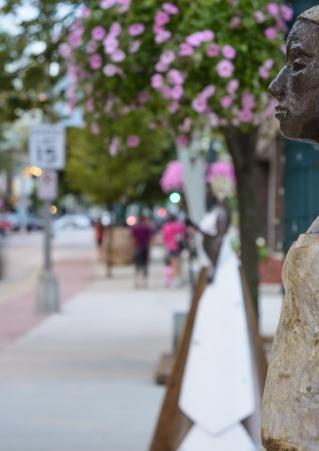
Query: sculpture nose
{"points": [[277, 87]]}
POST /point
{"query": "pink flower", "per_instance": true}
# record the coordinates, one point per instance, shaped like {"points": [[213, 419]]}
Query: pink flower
{"points": [[232, 86], [185, 50], [259, 16], [199, 104], [174, 107], [85, 12], [273, 9], [65, 50], [90, 47], [95, 61], [110, 44], [268, 64], [226, 101], [157, 81], [271, 33], [110, 70], [213, 119], [221, 169], [263, 72], [169, 8], [208, 92], [187, 125], [225, 69], [195, 39], [234, 22], [248, 101], [114, 147], [118, 56], [98, 33], [167, 57], [207, 35], [134, 46], [95, 129], [229, 52], [172, 178], [124, 5], [175, 77], [182, 141], [161, 67], [286, 12], [213, 50], [115, 30], [177, 92], [75, 39], [133, 141], [106, 4], [161, 18], [136, 29], [245, 116], [163, 36], [89, 106], [166, 92]]}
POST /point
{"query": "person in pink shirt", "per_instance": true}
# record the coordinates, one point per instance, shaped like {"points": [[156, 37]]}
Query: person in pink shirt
{"points": [[174, 234]]}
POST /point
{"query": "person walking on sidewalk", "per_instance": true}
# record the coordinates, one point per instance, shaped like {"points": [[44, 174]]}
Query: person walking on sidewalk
{"points": [[174, 234], [142, 233]]}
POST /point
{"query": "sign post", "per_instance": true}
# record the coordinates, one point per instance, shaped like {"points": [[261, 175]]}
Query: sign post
{"points": [[47, 151]]}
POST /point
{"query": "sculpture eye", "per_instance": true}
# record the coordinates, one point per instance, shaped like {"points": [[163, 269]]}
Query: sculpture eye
{"points": [[298, 65]]}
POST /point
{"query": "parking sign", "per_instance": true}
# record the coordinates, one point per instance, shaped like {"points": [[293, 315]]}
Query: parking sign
{"points": [[47, 146], [48, 185]]}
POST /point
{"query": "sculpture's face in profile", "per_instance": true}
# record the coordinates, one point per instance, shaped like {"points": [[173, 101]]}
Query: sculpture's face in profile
{"points": [[296, 87]]}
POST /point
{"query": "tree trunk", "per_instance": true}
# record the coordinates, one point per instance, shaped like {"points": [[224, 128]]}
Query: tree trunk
{"points": [[242, 146]]}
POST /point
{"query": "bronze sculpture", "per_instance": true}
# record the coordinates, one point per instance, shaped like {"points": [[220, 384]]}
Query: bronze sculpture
{"points": [[291, 399]]}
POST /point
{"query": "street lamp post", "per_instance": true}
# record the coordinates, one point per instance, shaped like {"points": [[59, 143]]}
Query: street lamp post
{"points": [[47, 151], [47, 299]]}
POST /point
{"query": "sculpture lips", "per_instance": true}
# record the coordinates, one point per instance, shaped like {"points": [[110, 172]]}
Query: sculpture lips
{"points": [[281, 112]]}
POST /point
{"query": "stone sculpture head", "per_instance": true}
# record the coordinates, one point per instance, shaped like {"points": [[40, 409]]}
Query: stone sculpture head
{"points": [[296, 87]]}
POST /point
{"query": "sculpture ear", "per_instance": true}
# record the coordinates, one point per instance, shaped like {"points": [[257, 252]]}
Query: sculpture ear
{"points": [[314, 228]]}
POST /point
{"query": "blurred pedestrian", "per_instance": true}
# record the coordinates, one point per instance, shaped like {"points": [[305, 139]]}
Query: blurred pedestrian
{"points": [[99, 234], [174, 235], [142, 233], [168, 272]]}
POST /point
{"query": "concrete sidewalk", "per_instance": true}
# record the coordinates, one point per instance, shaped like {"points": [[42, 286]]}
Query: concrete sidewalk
{"points": [[83, 379]]}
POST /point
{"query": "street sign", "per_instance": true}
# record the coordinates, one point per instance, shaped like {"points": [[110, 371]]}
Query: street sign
{"points": [[48, 185], [47, 146]]}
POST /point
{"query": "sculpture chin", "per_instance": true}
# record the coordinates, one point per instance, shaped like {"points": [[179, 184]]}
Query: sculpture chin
{"points": [[297, 131]]}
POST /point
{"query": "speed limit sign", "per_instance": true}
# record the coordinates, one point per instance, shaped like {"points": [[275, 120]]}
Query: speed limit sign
{"points": [[47, 146]]}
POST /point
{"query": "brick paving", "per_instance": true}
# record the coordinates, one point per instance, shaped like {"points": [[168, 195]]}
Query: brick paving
{"points": [[16, 314]]}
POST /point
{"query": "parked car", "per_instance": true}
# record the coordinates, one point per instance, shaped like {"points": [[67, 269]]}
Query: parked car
{"points": [[5, 224], [76, 221], [33, 222]]}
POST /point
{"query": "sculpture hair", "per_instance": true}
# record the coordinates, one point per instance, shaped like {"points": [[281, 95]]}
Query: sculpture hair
{"points": [[311, 14]]}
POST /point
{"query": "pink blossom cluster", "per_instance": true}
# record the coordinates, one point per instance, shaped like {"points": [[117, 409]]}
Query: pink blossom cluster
{"points": [[133, 141], [245, 114], [161, 19], [194, 41], [265, 68], [223, 169], [123, 5], [170, 86], [280, 13], [200, 104], [172, 178]]}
